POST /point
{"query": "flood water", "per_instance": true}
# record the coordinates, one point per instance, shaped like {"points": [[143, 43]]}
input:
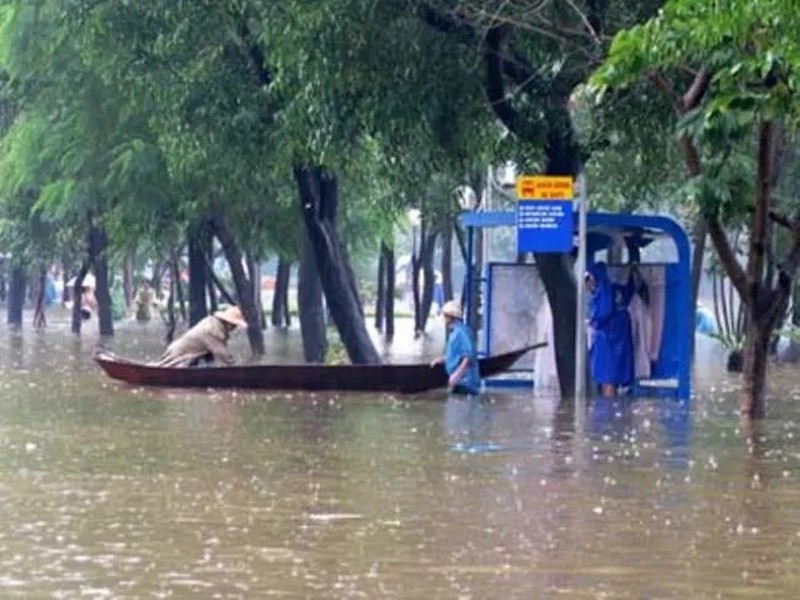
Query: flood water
{"points": [[109, 491]]}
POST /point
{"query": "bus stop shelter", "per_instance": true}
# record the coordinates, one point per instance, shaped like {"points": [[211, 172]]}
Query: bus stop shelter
{"points": [[656, 244]]}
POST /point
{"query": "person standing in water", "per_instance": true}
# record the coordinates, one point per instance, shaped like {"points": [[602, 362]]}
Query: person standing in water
{"points": [[460, 359], [611, 350]]}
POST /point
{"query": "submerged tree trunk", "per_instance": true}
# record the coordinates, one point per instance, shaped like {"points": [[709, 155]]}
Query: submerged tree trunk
{"points": [[280, 299], [77, 298], [244, 290], [310, 306], [754, 370], [318, 196], [98, 244], [254, 271], [198, 240], [556, 270], [16, 296], [39, 316], [765, 301]]}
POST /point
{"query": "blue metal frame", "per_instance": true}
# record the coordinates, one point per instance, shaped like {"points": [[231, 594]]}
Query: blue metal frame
{"points": [[623, 222], [487, 318], [469, 275]]}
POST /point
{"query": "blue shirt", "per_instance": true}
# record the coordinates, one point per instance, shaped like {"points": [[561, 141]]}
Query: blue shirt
{"points": [[459, 347]]}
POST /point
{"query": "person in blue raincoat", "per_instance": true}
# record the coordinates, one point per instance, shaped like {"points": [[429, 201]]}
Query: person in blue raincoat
{"points": [[50, 292], [611, 351], [460, 358]]}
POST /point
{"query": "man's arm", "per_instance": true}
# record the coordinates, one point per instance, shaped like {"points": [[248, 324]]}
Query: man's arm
{"points": [[220, 351], [458, 373]]}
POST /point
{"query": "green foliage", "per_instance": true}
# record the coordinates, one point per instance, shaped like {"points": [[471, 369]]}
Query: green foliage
{"points": [[749, 51]]}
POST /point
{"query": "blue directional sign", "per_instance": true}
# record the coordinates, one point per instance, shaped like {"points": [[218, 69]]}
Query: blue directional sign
{"points": [[544, 214]]}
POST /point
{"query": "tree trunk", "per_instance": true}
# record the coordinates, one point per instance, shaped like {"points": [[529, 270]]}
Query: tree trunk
{"points": [[556, 270], [217, 287], [158, 274], [254, 270], [16, 296], [447, 262], [3, 289], [428, 252], [754, 371], [280, 298], [177, 287], [171, 320], [415, 291], [39, 317], [310, 307], [390, 291], [98, 243], [318, 196], [77, 297], [476, 293], [213, 301], [127, 277], [198, 240], [244, 290], [462, 246], [64, 280], [380, 296]]}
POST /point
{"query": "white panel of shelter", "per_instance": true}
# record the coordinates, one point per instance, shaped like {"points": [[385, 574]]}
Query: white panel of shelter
{"points": [[517, 294]]}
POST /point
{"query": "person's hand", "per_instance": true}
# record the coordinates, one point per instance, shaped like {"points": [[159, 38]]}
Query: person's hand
{"points": [[437, 361], [452, 381]]}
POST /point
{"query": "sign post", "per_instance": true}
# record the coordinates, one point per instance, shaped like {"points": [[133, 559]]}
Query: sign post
{"points": [[580, 312], [544, 213]]}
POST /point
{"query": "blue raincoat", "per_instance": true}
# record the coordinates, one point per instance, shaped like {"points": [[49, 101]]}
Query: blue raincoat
{"points": [[611, 354]]}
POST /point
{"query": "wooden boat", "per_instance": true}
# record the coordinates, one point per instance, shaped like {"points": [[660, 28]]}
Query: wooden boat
{"points": [[401, 378]]}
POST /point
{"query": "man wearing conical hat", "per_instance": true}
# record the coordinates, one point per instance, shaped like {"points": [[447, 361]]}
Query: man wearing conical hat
{"points": [[208, 339], [460, 359]]}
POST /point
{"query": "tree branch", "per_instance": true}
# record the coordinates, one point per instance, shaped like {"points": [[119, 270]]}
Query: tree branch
{"points": [[495, 86], [666, 88], [791, 224], [696, 91], [593, 21], [446, 23], [728, 258]]}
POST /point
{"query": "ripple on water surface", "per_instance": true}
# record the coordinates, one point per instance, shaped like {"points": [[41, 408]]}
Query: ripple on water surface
{"points": [[119, 492]]}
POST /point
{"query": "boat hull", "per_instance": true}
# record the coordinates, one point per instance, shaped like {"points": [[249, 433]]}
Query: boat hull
{"points": [[401, 378]]}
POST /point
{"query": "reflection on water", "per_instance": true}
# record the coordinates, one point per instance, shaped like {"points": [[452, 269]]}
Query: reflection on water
{"points": [[113, 491]]}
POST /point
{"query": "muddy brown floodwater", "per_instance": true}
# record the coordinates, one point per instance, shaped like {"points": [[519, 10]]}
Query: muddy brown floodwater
{"points": [[109, 491]]}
